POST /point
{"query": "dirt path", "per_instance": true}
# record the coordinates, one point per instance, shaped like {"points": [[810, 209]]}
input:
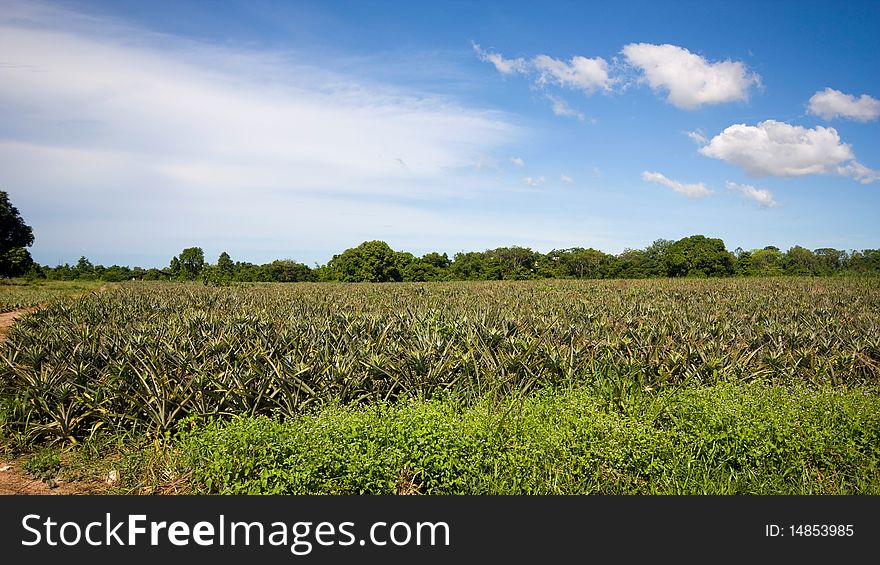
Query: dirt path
{"points": [[13, 478], [9, 318]]}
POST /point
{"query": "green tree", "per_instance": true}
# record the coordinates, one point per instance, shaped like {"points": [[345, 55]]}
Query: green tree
{"points": [[800, 261], [85, 269], [174, 267], [192, 261], [476, 266], [225, 266], [15, 235], [371, 261], [767, 262], [516, 262], [286, 270], [698, 256]]}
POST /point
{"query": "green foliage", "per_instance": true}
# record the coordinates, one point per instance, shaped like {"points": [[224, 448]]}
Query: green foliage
{"points": [[374, 261], [371, 261], [174, 267], [44, 464], [698, 256], [727, 439], [15, 262], [15, 235], [16, 294], [192, 261], [225, 266], [146, 355]]}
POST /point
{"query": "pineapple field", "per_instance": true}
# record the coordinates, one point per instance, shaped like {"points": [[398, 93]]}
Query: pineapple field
{"points": [[675, 386]]}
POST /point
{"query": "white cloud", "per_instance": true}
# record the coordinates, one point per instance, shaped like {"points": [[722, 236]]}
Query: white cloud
{"points": [[760, 195], [779, 149], [691, 80], [531, 181], [565, 178], [830, 104], [561, 108], [580, 73], [697, 136], [172, 137], [518, 161], [697, 190], [504, 66], [859, 172]]}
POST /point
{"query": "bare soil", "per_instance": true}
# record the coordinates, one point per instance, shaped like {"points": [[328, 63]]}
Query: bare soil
{"points": [[15, 480], [7, 319]]}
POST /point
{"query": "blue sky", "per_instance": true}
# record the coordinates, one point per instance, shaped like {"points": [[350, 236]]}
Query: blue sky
{"points": [[130, 130]]}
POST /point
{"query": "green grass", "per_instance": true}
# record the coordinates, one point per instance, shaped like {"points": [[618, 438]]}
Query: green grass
{"points": [[727, 439], [16, 294]]}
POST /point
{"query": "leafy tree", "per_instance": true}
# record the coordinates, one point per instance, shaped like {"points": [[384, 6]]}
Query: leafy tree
{"points": [[516, 263], [174, 267], [800, 261], [287, 270], [437, 260], [698, 256], [85, 269], [585, 263], [15, 235], [743, 264], [371, 261], [830, 260], [767, 262], [192, 261], [225, 266], [476, 266]]}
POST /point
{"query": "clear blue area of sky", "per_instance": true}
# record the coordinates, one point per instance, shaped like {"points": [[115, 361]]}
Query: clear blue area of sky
{"points": [[797, 48]]}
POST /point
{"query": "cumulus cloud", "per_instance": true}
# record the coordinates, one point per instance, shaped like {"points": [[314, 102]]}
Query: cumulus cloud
{"points": [[696, 190], [690, 80], [518, 161], [829, 104], [562, 109], [504, 66], [779, 149], [532, 181], [566, 179], [762, 196]]}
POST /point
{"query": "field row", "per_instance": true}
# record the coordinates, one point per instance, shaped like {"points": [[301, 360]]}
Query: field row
{"points": [[145, 356]]}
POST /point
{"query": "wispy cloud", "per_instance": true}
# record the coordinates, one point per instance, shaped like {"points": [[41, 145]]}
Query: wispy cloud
{"points": [[561, 108], [697, 136], [693, 190], [578, 73], [518, 161], [504, 66], [534, 181], [103, 117], [566, 179], [762, 196]]}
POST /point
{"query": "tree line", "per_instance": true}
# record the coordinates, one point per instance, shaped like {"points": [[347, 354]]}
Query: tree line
{"points": [[375, 261]]}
